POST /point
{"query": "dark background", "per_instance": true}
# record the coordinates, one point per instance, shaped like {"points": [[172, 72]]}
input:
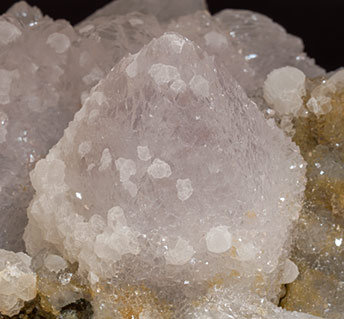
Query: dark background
{"points": [[319, 23]]}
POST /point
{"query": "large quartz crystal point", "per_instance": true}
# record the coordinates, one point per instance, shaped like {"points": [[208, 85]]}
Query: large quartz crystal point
{"points": [[37, 101], [17, 282], [265, 45], [168, 173], [164, 10]]}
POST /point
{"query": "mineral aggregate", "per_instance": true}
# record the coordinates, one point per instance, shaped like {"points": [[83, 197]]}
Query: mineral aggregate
{"points": [[17, 281], [316, 126], [158, 139], [169, 194]]}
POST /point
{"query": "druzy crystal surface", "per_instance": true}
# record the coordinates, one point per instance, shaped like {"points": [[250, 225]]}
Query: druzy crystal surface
{"points": [[175, 190]]}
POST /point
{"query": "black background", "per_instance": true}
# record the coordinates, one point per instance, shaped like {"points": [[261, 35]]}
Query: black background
{"points": [[319, 23]]}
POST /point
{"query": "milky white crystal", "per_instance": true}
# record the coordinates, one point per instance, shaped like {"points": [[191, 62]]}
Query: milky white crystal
{"points": [[284, 88], [17, 282], [189, 176]]}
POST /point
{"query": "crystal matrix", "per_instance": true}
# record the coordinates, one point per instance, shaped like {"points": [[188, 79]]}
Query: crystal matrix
{"points": [[169, 195]]}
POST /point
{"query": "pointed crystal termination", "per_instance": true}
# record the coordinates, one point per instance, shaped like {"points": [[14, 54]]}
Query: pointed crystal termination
{"points": [[168, 142]]}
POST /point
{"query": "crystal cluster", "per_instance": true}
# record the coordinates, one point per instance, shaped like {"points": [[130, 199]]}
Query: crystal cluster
{"points": [[316, 126], [17, 281], [169, 195]]}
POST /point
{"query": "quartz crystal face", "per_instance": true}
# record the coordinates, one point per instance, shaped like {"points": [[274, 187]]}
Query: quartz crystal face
{"points": [[168, 142], [169, 195]]}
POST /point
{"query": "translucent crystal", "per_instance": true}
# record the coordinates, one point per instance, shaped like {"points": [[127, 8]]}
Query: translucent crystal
{"points": [[264, 44], [143, 163], [46, 86], [17, 282], [163, 10], [34, 88]]}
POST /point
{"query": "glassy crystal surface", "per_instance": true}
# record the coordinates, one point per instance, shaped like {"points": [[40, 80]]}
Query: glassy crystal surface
{"points": [[169, 194], [316, 126], [265, 45], [166, 143]]}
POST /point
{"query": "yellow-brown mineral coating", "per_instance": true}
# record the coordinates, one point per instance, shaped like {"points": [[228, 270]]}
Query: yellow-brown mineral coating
{"points": [[128, 302], [320, 138]]}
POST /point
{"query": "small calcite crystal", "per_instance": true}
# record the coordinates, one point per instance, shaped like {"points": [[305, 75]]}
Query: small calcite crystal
{"points": [[318, 244], [169, 142], [17, 282]]}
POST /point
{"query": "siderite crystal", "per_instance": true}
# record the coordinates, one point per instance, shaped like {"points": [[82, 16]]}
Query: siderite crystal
{"points": [[17, 281], [169, 142]]}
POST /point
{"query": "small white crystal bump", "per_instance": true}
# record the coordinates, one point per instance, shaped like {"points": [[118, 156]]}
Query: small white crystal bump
{"points": [[219, 239]]}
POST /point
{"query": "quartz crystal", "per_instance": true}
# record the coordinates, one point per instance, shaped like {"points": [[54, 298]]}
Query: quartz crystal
{"points": [[163, 10], [169, 195], [166, 143], [36, 102], [17, 281]]}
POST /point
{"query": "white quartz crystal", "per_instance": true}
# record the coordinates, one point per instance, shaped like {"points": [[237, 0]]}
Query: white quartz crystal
{"points": [[17, 282]]}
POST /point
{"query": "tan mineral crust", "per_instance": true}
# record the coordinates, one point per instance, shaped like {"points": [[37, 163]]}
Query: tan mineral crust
{"points": [[159, 162]]}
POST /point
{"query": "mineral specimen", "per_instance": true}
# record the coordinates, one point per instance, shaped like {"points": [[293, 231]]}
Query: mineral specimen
{"points": [[168, 141], [17, 281], [169, 194]]}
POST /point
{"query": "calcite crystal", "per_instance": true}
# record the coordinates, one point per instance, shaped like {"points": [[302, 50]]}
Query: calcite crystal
{"points": [[17, 281], [169, 195], [317, 129]]}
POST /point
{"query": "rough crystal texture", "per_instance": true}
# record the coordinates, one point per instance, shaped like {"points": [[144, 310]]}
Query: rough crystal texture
{"points": [[33, 90], [169, 142], [163, 10], [55, 75], [265, 44], [318, 249], [17, 282], [234, 303]]}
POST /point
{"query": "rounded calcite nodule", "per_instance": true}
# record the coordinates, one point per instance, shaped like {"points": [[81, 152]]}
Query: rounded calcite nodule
{"points": [[17, 282], [167, 173]]}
